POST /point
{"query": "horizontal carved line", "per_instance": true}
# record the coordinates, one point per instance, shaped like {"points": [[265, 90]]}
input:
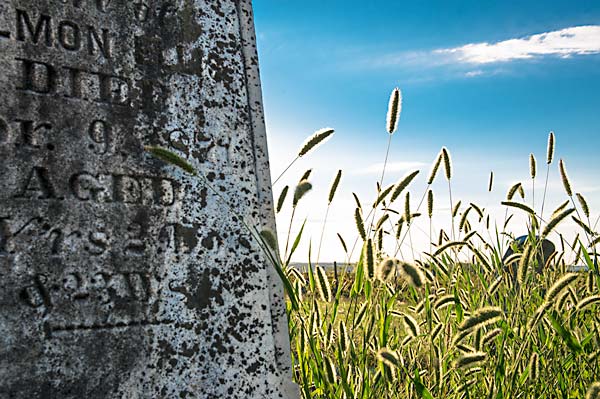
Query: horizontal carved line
{"points": [[4, 34], [108, 326]]}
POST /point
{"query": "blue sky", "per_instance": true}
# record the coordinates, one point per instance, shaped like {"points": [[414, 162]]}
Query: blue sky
{"points": [[487, 79]]}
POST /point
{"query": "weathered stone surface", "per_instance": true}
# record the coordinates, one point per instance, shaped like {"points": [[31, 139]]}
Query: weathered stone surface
{"points": [[120, 277]]}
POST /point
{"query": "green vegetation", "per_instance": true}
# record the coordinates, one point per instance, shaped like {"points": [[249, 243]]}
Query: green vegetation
{"points": [[459, 322], [456, 323]]}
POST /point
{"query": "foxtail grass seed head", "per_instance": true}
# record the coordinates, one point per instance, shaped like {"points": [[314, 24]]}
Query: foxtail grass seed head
{"points": [[434, 168], [447, 163], [386, 269], [298, 290], [382, 195], [358, 205], [381, 221], [412, 274], [411, 325], [478, 210], [313, 141], [565, 178], [555, 221], [402, 184], [400, 224], [330, 371], [532, 166], [444, 301], [590, 283], [560, 208], [463, 219], [370, 259], [306, 175], [281, 199], [583, 226], [343, 336], [593, 391], [388, 358], [550, 152], [584, 205], [490, 335], [394, 110], [560, 284], [456, 208], [360, 315], [590, 300], [494, 286], [171, 158], [521, 191], [512, 191], [482, 317], [442, 237], [334, 186], [407, 214], [519, 205], [360, 226], [436, 331], [491, 182], [534, 367], [301, 189], [470, 360], [430, 204], [323, 286]]}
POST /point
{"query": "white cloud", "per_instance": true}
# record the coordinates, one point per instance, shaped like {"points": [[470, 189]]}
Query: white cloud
{"points": [[563, 43], [391, 167], [578, 40], [472, 74]]}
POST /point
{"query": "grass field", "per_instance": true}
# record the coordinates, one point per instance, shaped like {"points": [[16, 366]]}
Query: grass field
{"points": [[457, 322]]}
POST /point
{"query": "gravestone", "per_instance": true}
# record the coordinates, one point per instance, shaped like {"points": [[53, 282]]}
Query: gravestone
{"points": [[120, 276]]}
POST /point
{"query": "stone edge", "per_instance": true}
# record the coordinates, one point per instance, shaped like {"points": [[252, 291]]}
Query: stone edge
{"points": [[279, 320]]}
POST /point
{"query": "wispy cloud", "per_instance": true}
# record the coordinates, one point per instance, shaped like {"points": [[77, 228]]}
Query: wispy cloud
{"points": [[472, 74], [391, 167], [564, 43], [578, 40]]}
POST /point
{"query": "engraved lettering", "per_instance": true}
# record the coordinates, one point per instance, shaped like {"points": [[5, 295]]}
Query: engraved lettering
{"points": [[180, 238], [101, 42], [41, 29], [138, 285], [74, 284], [123, 188], [99, 283], [37, 185], [100, 132], [113, 89], [30, 132], [75, 83], [99, 242], [38, 77], [135, 243], [4, 131], [69, 36], [36, 295], [127, 190], [56, 241], [85, 187]]}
